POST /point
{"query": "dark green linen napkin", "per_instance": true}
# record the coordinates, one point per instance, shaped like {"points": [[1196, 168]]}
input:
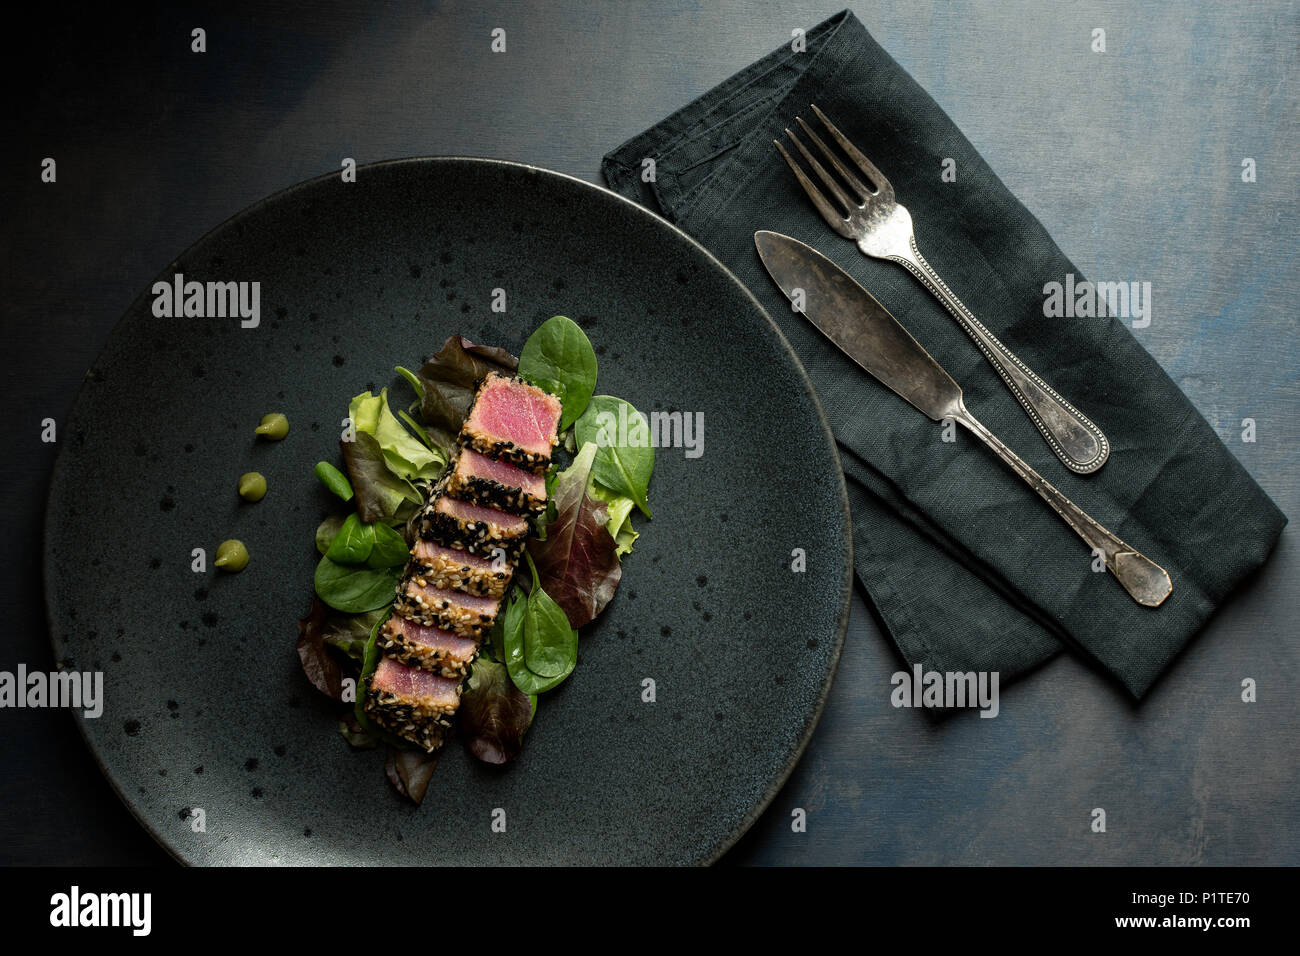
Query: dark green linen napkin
{"points": [[967, 567]]}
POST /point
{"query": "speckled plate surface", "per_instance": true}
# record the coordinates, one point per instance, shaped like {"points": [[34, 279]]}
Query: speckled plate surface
{"points": [[205, 703]]}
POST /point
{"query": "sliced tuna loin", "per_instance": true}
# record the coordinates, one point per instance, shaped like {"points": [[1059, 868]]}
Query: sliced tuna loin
{"points": [[514, 421], [466, 526], [412, 703], [470, 535], [465, 615], [495, 483], [457, 570], [431, 648]]}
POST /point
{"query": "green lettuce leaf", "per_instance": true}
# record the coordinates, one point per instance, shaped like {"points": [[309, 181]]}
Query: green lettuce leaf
{"points": [[406, 456], [620, 517], [380, 494]]}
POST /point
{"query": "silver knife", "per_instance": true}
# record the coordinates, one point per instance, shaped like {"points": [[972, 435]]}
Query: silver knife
{"points": [[850, 317]]}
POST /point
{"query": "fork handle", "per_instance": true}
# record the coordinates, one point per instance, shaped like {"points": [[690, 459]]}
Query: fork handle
{"points": [[1145, 581], [1079, 443]]}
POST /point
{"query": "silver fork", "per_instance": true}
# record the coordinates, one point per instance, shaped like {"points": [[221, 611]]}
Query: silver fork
{"points": [[882, 229]]}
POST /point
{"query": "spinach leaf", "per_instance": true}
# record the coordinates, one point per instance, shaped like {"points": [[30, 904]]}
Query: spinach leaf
{"points": [[353, 543], [448, 380], [325, 532], [515, 635], [558, 357], [493, 714], [334, 480], [550, 644], [577, 562], [390, 549], [625, 459], [380, 493], [354, 590]]}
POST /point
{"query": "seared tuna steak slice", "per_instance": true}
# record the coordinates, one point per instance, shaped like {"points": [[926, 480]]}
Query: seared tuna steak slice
{"points": [[429, 647], [495, 483], [514, 421], [457, 570], [412, 703], [466, 526], [465, 615]]}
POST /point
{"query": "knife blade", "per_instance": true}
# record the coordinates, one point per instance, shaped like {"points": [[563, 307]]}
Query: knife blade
{"points": [[863, 329], [860, 326]]}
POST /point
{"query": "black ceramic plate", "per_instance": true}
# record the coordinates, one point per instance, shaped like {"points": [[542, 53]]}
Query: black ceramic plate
{"points": [[205, 703]]}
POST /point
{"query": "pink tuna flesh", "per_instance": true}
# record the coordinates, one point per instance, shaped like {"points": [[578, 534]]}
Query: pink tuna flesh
{"points": [[459, 649], [468, 511], [434, 597], [508, 410], [427, 552], [411, 683], [471, 464]]}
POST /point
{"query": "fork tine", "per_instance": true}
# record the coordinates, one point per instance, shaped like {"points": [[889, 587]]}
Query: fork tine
{"points": [[824, 176], [853, 182], [833, 218], [864, 164]]}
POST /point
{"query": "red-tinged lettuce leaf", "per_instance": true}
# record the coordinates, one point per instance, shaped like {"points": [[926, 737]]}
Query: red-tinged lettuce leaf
{"points": [[321, 667], [349, 632], [449, 379], [358, 737], [578, 560], [409, 771], [493, 713], [380, 494]]}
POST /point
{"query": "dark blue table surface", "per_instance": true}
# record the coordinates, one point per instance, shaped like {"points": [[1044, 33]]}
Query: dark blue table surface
{"points": [[1132, 158]]}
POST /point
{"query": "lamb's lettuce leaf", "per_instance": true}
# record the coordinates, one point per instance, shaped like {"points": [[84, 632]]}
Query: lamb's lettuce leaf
{"points": [[326, 531]]}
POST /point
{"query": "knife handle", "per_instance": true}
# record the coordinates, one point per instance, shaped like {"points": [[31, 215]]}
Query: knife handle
{"points": [[1081, 445], [1145, 581]]}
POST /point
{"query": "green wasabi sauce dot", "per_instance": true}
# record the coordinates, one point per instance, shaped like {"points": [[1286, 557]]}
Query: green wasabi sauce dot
{"points": [[232, 556], [252, 486], [273, 426]]}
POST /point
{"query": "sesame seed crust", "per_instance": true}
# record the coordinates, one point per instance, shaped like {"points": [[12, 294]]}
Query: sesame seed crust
{"points": [[424, 723], [449, 574], [492, 494]]}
